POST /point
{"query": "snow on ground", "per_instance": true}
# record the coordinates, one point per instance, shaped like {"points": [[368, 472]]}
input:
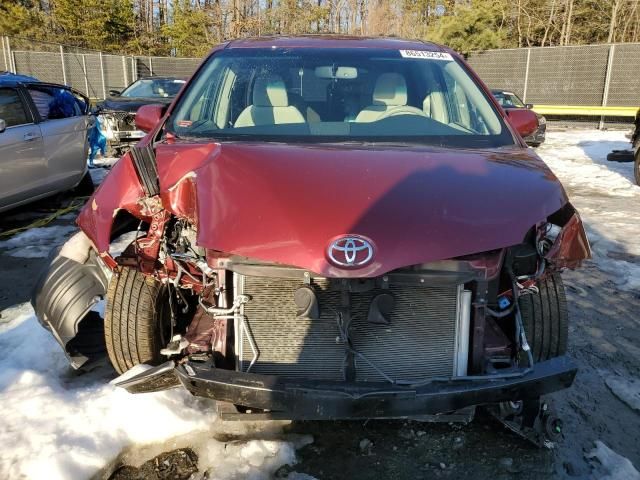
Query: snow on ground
{"points": [[103, 164], [604, 193], [626, 390], [36, 242], [60, 424], [611, 465]]}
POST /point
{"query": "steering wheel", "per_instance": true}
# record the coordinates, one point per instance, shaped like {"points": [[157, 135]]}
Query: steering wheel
{"points": [[401, 110]]}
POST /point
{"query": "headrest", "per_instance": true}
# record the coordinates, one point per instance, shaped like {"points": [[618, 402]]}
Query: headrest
{"points": [[270, 92], [391, 90]]}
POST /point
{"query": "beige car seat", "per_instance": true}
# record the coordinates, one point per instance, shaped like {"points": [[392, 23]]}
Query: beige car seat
{"points": [[270, 105], [435, 106], [390, 92]]}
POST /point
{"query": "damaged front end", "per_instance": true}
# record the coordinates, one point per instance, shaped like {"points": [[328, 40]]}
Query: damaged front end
{"points": [[427, 339], [403, 334], [120, 130]]}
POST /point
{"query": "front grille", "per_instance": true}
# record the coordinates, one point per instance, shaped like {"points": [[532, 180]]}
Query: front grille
{"points": [[124, 121], [418, 343]]}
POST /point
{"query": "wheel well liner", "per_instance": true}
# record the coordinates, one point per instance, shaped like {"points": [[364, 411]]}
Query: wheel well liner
{"points": [[64, 295]]}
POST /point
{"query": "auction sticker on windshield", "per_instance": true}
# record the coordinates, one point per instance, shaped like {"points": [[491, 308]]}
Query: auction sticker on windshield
{"points": [[426, 55]]}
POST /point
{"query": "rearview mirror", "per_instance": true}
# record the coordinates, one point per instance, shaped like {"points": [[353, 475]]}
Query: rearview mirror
{"points": [[114, 93], [3, 125], [148, 116], [529, 105], [329, 71], [525, 122]]}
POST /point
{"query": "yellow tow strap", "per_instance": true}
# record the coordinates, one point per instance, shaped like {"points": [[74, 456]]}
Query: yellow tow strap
{"points": [[41, 222]]}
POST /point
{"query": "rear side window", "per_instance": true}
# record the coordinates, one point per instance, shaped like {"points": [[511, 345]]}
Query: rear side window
{"points": [[54, 103], [12, 109]]}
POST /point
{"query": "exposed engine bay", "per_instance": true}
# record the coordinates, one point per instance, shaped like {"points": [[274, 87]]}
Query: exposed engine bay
{"points": [[421, 315], [120, 130]]}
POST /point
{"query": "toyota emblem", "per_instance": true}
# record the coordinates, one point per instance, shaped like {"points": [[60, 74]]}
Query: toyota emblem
{"points": [[350, 251]]}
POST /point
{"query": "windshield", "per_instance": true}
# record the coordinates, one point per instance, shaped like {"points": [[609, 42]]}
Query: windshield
{"points": [[319, 95], [508, 100], [154, 87]]}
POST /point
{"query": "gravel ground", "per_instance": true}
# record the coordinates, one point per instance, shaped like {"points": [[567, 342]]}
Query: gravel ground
{"points": [[601, 412]]}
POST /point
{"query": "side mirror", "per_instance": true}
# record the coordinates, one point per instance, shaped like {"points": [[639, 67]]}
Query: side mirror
{"points": [[525, 122], [114, 93], [148, 116], [3, 125], [529, 105]]}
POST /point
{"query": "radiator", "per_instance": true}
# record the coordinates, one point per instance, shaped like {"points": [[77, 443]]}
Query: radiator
{"points": [[427, 334]]}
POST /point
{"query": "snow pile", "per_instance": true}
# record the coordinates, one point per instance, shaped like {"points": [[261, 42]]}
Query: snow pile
{"points": [[60, 424], [37, 242], [103, 166], [254, 459], [579, 159], [628, 391], [612, 465], [605, 195]]}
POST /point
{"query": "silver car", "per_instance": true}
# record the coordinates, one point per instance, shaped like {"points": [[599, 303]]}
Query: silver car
{"points": [[43, 140]]}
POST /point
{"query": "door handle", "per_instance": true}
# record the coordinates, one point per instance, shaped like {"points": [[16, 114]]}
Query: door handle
{"points": [[30, 136]]}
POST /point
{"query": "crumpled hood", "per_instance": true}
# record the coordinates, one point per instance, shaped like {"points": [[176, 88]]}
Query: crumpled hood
{"points": [[131, 104], [284, 204]]}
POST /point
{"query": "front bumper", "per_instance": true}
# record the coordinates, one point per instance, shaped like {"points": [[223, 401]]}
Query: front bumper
{"points": [[119, 127], [127, 135], [538, 137], [341, 400]]}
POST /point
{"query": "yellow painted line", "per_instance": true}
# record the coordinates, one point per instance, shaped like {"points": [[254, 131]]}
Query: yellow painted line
{"points": [[589, 110]]}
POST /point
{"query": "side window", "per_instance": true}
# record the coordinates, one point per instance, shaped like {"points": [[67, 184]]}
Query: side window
{"points": [[41, 100], [12, 109], [53, 103], [224, 107], [458, 103], [461, 109], [508, 101]]}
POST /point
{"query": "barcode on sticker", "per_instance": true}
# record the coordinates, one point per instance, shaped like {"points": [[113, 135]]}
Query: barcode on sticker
{"points": [[426, 55]]}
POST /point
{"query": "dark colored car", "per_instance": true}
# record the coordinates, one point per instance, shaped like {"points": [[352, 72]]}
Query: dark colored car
{"points": [[509, 100], [328, 227], [119, 110]]}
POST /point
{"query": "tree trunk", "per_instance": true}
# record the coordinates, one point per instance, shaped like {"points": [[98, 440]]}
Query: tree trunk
{"points": [[612, 23], [549, 23], [519, 15], [567, 31]]}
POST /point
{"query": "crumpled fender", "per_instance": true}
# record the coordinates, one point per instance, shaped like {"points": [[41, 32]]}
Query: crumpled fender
{"points": [[571, 246], [120, 190], [73, 281]]}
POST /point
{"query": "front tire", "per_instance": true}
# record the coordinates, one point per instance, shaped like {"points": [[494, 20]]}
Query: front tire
{"points": [[546, 319], [636, 167], [135, 319]]}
